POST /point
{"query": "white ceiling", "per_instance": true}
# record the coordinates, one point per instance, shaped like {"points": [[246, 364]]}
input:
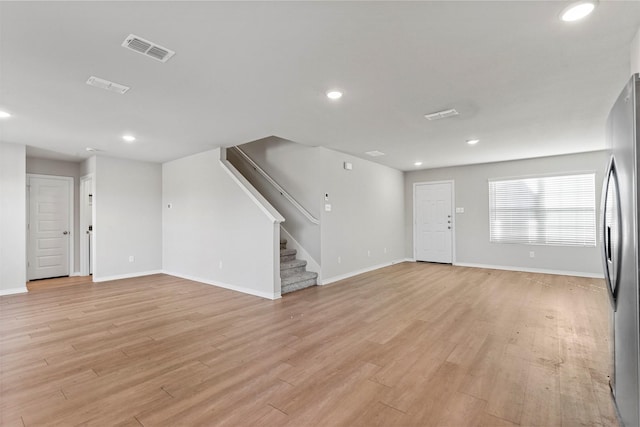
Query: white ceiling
{"points": [[525, 83]]}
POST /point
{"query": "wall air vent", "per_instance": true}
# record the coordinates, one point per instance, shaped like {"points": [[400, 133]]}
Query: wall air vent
{"points": [[441, 114], [107, 85], [147, 48], [375, 153]]}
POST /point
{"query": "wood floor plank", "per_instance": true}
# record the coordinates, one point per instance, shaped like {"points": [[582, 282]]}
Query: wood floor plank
{"points": [[414, 344]]}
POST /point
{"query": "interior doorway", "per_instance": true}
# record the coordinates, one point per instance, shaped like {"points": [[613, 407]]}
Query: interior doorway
{"points": [[433, 221], [49, 226]]}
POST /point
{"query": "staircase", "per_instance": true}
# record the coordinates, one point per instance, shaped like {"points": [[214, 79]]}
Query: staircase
{"points": [[293, 272]]}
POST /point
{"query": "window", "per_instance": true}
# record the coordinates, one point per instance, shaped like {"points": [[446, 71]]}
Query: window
{"points": [[551, 210]]}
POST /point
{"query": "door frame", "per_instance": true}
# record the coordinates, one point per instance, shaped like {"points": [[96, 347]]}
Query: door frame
{"points": [[85, 270], [453, 216], [69, 181]]}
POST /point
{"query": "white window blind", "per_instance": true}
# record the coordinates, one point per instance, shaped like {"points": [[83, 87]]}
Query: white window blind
{"points": [[551, 210]]}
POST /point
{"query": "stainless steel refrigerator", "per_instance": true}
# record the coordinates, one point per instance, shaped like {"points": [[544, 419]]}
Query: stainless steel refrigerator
{"points": [[620, 239]]}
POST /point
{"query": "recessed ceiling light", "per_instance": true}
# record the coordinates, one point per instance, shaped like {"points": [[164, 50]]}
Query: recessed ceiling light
{"points": [[577, 11], [417, 164], [472, 141], [4, 115], [334, 94], [129, 138]]}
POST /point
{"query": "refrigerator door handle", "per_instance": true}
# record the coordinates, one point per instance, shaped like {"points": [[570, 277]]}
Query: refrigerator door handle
{"points": [[610, 224]]}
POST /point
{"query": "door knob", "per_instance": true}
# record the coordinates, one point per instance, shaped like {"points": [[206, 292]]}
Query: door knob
{"points": [[65, 232], [449, 227]]}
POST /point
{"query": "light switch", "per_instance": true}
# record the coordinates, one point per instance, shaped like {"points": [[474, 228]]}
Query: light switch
{"points": [[348, 166], [327, 207], [459, 210]]}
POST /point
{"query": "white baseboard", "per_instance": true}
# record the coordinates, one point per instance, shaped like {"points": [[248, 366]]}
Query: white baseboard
{"points": [[74, 274], [361, 271], [125, 276], [532, 270], [409, 260], [13, 291], [244, 290]]}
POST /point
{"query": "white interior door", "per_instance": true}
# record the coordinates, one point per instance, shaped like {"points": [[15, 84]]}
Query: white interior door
{"points": [[49, 226], [433, 222]]}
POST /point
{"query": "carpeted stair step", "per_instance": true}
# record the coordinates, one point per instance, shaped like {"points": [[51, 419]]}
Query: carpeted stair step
{"points": [[292, 268], [287, 255], [299, 281], [283, 243]]}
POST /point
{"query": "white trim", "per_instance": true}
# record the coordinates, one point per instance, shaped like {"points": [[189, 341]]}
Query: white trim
{"points": [[302, 254], [125, 276], [75, 273], [361, 271], [13, 291], [84, 247], [409, 260], [453, 215], [253, 194], [242, 289], [532, 270], [70, 181]]}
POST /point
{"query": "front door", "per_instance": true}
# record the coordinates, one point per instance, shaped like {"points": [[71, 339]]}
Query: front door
{"points": [[49, 226], [433, 222]]}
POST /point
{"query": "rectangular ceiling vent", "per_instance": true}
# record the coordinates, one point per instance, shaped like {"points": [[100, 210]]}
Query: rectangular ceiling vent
{"points": [[441, 114], [147, 48], [375, 153], [107, 85]]}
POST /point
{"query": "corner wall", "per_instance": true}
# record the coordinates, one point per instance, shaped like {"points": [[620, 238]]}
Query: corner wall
{"points": [[472, 226], [13, 211], [213, 232], [128, 218]]}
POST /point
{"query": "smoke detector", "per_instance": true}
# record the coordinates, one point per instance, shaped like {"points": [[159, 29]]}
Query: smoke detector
{"points": [[107, 85], [441, 114], [147, 48]]}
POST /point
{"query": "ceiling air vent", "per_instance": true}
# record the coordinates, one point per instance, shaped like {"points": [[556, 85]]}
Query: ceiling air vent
{"points": [[375, 153], [147, 48], [441, 114], [107, 85]]}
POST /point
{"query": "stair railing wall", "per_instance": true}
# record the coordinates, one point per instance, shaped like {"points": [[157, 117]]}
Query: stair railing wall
{"points": [[277, 186]]}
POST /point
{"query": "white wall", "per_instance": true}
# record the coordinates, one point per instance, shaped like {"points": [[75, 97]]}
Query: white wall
{"points": [[365, 227], [13, 270], [61, 168], [213, 232], [472, 227], [128, 218], [635, 54]]}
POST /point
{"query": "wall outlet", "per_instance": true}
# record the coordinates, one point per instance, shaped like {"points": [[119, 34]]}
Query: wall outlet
{"points": [[220, 265], [169, 205], [132, 258], [327, 207], [532, 254], [368, 253], [385, 250], [339, 260]]}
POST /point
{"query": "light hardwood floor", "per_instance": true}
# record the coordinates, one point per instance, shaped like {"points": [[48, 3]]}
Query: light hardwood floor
{"points": [[409, 345]]}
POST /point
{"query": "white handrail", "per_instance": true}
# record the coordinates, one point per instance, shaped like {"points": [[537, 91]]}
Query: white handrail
{"points": [[277, 186]]}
